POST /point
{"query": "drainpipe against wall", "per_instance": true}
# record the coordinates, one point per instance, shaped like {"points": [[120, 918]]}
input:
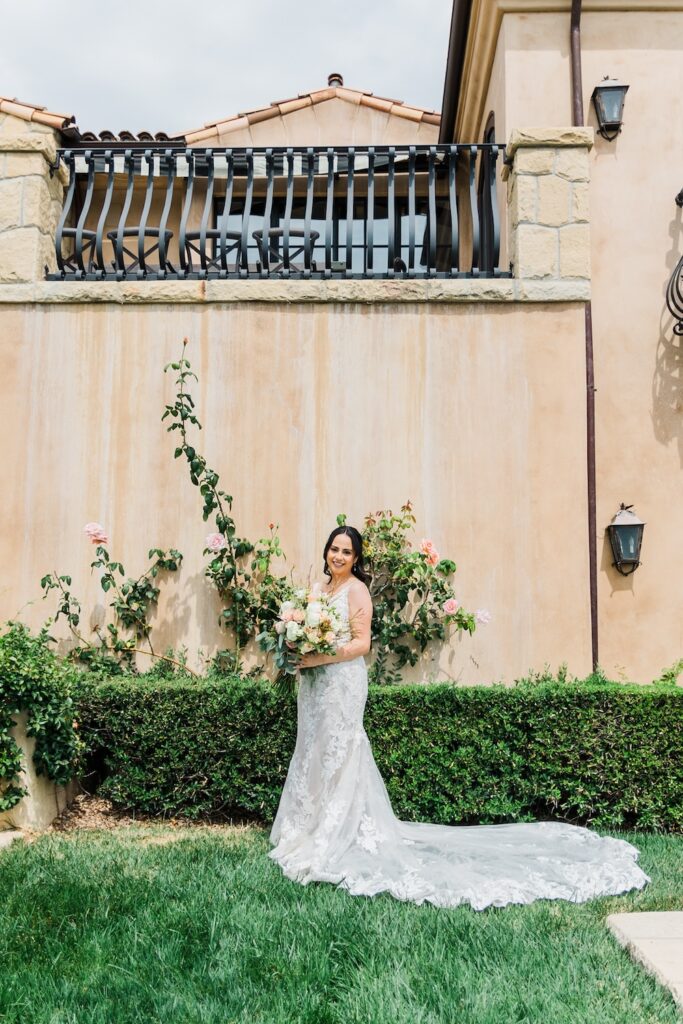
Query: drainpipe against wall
{"points": [[577, 115]]}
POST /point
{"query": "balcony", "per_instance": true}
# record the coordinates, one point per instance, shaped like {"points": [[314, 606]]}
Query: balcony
{"points": [[382, 212]]}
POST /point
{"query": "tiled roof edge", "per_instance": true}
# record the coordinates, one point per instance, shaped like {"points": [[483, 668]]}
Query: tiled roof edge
{"points": [[397, 108], [31, 112]]}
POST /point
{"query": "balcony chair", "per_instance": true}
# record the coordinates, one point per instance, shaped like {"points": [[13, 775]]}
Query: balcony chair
{"points": [[274, 234], [88, 248], [133, 232], [214, 234]]}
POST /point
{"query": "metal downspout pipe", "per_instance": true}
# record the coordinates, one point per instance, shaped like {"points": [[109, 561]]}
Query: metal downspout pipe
{"points": [[577, 116]]}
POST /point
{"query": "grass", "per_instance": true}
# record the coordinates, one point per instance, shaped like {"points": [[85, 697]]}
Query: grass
{"points": [[123, 927]]}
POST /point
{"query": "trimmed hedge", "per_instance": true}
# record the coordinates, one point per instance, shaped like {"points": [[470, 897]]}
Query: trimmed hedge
{"points": [[598, 752]]}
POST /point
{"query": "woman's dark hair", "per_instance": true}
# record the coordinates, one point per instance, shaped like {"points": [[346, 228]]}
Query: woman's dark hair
{"points": [[358, 569]]}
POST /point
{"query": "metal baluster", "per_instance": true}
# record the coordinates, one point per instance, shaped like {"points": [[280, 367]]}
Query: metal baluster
{"points": [[493, 232], [142, 268], [223, 223], [349, 212], [187, 205], [391, 212], [129, 163], [80, 227], [474, 211], [309, 210], [329, 212], [288, 212], [70, 162], [265, 236], [370, 213], [244, 267], [431, 194], [170, 181], [208, 204], [104, 213], [411, 211], [453, 202]]}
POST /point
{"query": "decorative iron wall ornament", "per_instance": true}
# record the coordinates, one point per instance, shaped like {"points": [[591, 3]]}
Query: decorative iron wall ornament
{"points": [[302, 212], [674, 291]]}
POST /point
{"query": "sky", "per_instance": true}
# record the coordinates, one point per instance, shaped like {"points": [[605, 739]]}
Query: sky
{"points": [[172, 66]]}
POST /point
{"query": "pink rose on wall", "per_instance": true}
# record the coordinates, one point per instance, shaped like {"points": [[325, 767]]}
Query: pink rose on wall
{"points": [[482, 616], [427, 548], [450, 606], [96, 533], [216, 542]]}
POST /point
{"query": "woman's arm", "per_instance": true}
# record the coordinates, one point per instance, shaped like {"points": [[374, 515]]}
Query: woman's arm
{"points": [[360, 620]]}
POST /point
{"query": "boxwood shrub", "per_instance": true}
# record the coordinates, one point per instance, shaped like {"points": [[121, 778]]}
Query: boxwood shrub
{"points": [[598, 752]]}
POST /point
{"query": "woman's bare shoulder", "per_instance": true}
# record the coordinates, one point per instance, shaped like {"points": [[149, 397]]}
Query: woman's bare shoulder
{"points": [[359, 590]]}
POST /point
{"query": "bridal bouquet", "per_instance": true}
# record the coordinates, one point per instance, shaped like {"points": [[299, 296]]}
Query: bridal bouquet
{"points": [[306, 624]]}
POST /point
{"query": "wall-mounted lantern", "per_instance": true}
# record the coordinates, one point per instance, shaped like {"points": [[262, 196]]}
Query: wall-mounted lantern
{"points": [[608, 100], [626, 536]]}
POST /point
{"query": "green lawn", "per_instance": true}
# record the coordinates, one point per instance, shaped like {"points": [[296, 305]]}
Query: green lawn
{"points": [[110, 927]]}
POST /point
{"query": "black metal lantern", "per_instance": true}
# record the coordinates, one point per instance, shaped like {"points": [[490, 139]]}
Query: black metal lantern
{"points": [[608, 100], [626, 536]]}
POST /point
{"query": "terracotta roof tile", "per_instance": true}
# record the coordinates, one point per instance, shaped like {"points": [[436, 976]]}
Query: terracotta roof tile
{"points": [[350, 95], [320, 95], [30, 112], [255, 116], [368, 100], [298, 104], [234, 124]]}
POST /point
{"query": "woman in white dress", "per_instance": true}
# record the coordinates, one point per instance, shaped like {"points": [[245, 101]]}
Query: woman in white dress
{"points": [[335, 822]]}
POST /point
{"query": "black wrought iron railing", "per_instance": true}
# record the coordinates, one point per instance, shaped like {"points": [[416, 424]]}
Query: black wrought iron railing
{"points": [[330, 212], [674, 291]]}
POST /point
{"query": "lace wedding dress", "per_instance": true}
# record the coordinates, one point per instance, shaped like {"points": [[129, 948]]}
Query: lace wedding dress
{"points": [[335, 822]]}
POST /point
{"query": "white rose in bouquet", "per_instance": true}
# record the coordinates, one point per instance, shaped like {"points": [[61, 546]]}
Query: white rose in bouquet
{"points": [[313, 613], [293, 631]]}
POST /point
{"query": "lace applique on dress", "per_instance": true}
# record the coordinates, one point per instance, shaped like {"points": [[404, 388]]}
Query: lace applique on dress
{"points": [[335, 822]]}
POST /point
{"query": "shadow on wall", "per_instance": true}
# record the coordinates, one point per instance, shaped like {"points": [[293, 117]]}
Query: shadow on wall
{"points": [[667, 381], [616, 581]]}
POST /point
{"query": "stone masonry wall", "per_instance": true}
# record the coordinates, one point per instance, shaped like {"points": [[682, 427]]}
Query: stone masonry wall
{"points": [[548, 210], [30, 199]]}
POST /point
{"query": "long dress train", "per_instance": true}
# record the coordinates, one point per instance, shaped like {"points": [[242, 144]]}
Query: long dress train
{"points": [[335, 822]]}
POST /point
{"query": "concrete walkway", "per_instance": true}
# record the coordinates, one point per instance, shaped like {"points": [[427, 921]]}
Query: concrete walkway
{"points": [[656, 940]]}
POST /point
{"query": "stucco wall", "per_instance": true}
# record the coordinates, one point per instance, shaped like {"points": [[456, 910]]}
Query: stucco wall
{"points": [[636, 237], [474, 411]]}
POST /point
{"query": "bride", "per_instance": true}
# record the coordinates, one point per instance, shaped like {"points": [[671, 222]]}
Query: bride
{"points": [[335, 822]]}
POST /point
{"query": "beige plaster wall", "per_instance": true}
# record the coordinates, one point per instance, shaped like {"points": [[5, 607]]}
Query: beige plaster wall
{"points": [[636, 238], [474, 411]]}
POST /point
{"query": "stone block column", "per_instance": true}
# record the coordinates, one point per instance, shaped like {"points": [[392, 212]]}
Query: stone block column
{"points": [[30, 199], [548, 212]]}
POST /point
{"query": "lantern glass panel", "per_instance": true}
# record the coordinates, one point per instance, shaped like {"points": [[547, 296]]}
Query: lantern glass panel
{"points": [[629, 542], [610, 104]]}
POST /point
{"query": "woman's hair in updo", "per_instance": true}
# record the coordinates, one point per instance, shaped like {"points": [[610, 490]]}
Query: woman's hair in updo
{"points": [[358, 569]]}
